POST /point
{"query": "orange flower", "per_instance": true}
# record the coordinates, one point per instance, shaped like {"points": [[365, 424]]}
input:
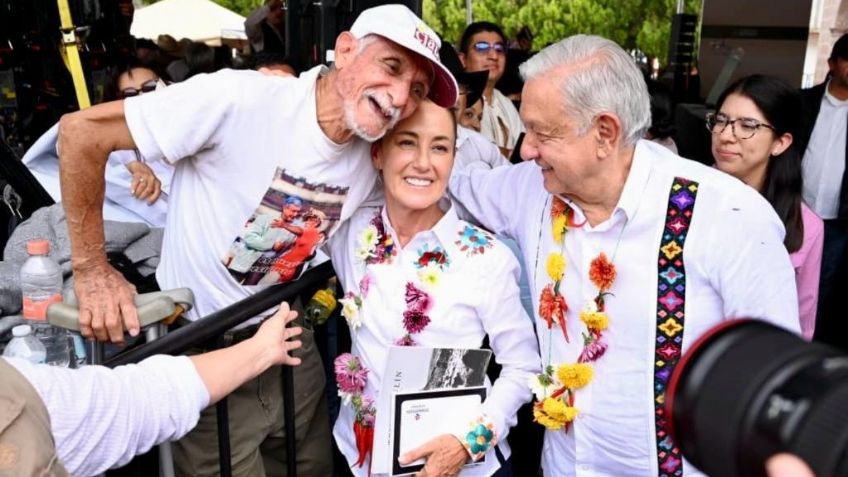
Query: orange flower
{"points": [[557, 208], [552, 308], [602, 272]]}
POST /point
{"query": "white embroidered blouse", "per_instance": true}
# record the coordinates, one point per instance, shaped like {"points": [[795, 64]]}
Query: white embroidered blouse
{"points": [[474, 293]]}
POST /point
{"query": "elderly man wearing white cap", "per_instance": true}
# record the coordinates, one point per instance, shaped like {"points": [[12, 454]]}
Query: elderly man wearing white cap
{"points": [[243, 143]]}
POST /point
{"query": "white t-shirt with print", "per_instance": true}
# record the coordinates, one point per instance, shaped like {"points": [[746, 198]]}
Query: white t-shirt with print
{"points": [[244, 145]]}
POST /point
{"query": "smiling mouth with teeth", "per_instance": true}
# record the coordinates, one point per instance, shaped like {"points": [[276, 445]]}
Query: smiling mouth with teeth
{"points": [[379, 109], [414, 181]]}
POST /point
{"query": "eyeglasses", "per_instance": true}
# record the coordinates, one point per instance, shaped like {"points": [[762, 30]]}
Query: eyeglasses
{"points": [[146, 87], [483, 47], [742, 128]]}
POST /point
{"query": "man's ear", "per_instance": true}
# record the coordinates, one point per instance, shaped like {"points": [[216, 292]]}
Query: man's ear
{"points": [[345, 49], [608, 133]]}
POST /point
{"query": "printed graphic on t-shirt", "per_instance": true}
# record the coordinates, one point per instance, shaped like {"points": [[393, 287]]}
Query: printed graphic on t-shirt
{"points": [[289, 225]]}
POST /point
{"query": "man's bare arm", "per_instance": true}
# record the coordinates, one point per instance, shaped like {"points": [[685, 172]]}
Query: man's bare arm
{"points": [[86, 138]]}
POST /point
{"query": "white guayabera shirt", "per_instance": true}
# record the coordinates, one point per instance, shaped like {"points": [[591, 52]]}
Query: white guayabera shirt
{"points": [[736, 266]]}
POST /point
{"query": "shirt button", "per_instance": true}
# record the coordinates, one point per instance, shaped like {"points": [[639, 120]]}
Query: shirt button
{"points": [[583, 468]]}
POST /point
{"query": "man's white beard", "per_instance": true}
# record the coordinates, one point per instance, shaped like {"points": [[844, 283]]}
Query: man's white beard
{"points": [[359, 131]]}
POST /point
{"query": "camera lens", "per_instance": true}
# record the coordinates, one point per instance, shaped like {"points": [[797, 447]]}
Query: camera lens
{"points": [[747, 390]]}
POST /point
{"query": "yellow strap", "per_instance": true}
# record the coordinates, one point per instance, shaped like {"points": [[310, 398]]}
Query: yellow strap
{"points": [[70, 54]]}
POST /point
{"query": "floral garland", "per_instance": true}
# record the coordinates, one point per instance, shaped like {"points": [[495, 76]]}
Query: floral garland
{"points": [[555, 389], [552, 304]]}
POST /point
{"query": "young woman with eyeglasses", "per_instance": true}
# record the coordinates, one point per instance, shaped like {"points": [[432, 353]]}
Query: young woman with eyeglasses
{"points": [[752, 139]]}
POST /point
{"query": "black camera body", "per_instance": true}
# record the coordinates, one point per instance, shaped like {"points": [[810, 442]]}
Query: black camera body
{"points": [[747, 390]]}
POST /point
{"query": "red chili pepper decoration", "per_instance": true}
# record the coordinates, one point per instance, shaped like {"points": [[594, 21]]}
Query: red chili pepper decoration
{"points": [[364, 442]]}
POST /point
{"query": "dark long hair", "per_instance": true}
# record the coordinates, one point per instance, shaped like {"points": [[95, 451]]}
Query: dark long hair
{"points": [[781, 106], [123, 64]]}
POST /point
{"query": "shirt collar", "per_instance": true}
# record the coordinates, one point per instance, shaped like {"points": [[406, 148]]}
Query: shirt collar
{"points": [[444, 231], [637, 179]]}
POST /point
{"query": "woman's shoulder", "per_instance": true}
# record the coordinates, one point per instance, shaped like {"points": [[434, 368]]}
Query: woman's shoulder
{"points": [[479, 245]]}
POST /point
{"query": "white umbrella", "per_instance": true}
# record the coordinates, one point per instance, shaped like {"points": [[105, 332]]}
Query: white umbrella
{"points": [[198, 20]]}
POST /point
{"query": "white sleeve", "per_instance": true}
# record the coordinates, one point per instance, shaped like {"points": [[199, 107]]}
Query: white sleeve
{"points": [[491, 155], [750, 268], [188, 117], [511, 337], [101, 418], [499, 198]]}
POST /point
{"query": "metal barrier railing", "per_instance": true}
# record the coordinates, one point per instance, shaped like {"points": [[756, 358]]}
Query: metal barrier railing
{"points": [[214, 325]]}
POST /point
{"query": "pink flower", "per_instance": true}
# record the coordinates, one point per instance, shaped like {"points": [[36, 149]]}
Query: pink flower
{"points": [[365, 285], [592, 350], [414, 321], [351, 376], [405, 340], [367, 411], [417, 300]]}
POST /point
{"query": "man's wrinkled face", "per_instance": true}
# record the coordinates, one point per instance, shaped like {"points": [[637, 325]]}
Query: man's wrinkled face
{"points": [[553, 140], [381, 85]]}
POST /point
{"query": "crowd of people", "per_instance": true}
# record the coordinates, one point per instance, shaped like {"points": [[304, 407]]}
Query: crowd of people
{"points": [[395, 161]]}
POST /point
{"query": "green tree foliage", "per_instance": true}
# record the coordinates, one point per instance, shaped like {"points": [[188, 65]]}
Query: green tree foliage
{"points": [[643, 24]]}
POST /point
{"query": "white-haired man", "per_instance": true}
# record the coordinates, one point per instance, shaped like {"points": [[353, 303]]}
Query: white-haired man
{"points": [[631, 252], [243, 143]]}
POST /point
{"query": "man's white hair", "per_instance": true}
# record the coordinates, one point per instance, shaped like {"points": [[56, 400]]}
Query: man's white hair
{"points": [[362, 43], [602, 78]]}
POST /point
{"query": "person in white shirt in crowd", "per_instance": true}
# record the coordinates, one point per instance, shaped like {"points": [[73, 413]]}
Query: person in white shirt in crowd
{"points": [[472, 148], [483, 47], [631, 253], [417, 275], [136, 191], [823, 138], [81, 422], [243, 143]]}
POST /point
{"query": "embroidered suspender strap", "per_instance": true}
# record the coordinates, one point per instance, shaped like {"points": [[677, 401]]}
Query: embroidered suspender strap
{"points": [[671, 299]]}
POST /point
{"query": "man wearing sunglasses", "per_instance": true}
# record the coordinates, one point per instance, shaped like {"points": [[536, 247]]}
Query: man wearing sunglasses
{"points": [[243, 143], [483, 48]]}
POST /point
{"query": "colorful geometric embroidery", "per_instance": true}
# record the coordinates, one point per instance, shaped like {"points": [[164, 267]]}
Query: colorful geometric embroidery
{"points": [[671, 302], [473, 240]]}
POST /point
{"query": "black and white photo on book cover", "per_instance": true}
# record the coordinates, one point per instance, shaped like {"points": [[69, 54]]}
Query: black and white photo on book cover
{"points": [[416, 369]]}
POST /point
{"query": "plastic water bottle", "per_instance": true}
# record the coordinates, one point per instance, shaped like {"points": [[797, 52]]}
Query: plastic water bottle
{"points": [[25, 346], [41, 286]]}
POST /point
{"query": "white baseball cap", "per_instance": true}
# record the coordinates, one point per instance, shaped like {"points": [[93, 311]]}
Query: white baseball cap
{"points": [[398, 24]]}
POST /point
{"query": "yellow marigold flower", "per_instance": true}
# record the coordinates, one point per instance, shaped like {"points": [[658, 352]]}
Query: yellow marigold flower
{"points": [[540, 417], [559, 225], [594, 320], [574, 376], [553, 413], [555, 266]]}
